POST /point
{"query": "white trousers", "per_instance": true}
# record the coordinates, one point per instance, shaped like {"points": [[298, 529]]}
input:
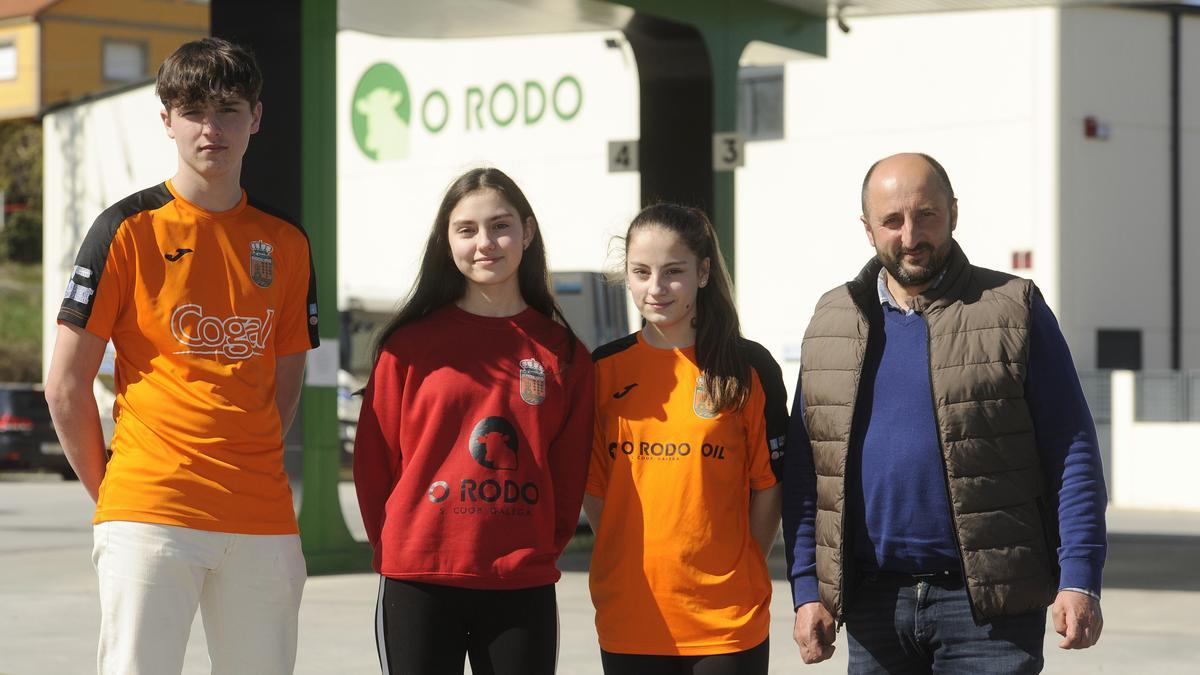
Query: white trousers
{"points": [[153, 577]]}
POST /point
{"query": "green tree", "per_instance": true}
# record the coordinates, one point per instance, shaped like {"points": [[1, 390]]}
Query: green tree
{"points": [[21, 183], [21, 239], [21, 163], [21, 242]]}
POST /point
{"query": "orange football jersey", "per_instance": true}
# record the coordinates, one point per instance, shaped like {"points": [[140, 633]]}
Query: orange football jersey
{"points": [[198, 306], [675, 569]]}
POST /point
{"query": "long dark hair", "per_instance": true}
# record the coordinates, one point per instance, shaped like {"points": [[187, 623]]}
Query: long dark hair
{"points": [[439, 282], [719, 352]]}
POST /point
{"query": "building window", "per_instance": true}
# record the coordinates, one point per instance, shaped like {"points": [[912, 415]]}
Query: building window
{"points": [[1119, 349], [8, 61], [124, 61], [760, 103]]}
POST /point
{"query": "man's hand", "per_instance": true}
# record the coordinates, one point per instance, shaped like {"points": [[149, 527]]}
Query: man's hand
{"points": [[1077, 618], [814, 632]]}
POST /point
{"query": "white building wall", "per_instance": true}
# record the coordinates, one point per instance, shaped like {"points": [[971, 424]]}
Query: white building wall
{"points": [[1190, 146], [977, 90], [1115, 192], [94, 154], [387, 205], [1154, 463]]}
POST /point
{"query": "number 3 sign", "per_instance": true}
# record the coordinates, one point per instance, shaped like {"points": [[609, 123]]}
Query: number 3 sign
{"points": [[728, 151]]}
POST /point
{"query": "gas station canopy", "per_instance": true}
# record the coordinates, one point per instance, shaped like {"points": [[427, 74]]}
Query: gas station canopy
{"points": [[484, 18]]}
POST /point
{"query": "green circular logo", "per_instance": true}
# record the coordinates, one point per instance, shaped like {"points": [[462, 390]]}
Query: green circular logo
{"points": [[381, 112]]}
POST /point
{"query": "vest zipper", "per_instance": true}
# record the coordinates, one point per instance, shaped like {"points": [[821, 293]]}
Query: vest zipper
{"points": [[840, 619], [842, 591], [962, 565]]}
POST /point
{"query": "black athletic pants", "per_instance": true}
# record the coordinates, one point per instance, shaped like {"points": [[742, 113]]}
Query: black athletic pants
{"points": [[750, 662], [425, 629]]}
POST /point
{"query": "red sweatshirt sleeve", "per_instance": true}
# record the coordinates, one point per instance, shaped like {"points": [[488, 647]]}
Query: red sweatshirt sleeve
{"points": [[377, 443], [571, 449]]}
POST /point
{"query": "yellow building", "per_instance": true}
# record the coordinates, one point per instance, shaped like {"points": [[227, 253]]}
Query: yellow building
{"points": [[56, 50]]}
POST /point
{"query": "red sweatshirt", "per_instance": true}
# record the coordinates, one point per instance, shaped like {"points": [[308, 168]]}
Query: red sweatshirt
{"points": [[472, 449]]}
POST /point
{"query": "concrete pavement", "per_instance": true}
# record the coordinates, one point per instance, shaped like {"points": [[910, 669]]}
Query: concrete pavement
{"points": [[49, 615]]}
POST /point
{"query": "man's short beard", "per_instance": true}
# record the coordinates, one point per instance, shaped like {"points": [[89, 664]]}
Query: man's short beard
{"points": [[916, 276]]}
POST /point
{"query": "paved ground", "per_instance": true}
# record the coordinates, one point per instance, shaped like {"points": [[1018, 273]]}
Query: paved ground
{"points": [[49, 617]]}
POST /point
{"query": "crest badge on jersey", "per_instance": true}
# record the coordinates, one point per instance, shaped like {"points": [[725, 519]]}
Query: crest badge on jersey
{"points": [[701, 402], [262, 266], [533, 382]]}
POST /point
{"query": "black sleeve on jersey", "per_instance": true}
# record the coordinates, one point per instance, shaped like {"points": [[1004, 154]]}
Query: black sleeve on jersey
{"points": [[76, 306], [314, 333], [310, 303], [775, 405], [615, 347]]}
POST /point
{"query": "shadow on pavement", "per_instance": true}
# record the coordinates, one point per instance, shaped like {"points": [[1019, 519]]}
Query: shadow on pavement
{"points": [[1153, 562], [575, 561], [1161, 562]]}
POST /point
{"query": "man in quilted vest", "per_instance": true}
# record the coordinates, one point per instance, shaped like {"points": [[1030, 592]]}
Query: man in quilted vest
{"points": [[943, 484]]}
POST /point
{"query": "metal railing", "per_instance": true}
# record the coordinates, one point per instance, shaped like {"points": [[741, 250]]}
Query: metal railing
{"points": [[1162, 395], [1097, 389], [1168, 396]]}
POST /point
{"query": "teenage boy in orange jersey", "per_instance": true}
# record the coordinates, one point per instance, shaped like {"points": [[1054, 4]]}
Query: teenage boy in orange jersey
{"points": [[210, 304]]}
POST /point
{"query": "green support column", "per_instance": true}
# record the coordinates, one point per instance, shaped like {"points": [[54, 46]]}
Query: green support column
{"points": [[724, 50], [328, 546], [728, 26]]}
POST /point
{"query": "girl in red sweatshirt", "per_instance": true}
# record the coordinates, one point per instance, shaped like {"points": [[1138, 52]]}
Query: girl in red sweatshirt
{"points": [[472, 445]]}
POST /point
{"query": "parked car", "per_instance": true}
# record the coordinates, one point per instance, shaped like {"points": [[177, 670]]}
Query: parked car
{"points": [[349, 402], [27, 436]]}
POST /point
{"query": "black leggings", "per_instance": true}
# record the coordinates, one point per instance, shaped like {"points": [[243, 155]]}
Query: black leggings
{"points": [[750, 662], [425, 629]]}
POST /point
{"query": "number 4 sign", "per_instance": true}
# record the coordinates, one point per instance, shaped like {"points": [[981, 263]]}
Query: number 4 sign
{"points": [[728, 151], [622, 156]]}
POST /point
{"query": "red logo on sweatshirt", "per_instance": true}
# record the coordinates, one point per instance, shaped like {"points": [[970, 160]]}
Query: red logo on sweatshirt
{"points": [[494, 444]]}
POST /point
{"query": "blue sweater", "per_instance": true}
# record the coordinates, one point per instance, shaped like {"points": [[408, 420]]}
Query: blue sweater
{"points": [[897, 509]]}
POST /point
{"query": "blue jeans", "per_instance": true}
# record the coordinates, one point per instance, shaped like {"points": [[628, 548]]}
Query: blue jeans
{"points": [[896, 624]]}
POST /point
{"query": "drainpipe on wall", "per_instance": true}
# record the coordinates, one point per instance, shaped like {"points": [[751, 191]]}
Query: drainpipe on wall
{"points": [[1176, 170]]}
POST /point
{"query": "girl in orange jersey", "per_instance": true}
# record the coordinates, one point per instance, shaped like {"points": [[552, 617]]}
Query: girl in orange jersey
{"points": [[681, 491], [471, 450]]}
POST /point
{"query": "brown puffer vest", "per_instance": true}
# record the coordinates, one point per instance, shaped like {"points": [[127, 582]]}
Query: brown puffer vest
{"points": [[978, 351]]}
